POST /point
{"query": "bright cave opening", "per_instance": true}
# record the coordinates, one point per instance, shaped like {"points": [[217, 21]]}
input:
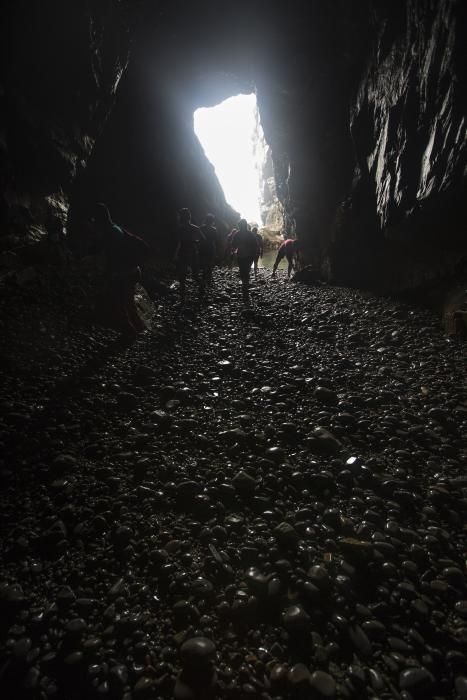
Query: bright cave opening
{"points": [[233, 140]]}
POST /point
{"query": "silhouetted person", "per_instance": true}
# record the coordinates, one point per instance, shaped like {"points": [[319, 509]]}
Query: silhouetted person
{"points": [[208, 247], [259, 238], [245, 245], [187, 252], [124, 253], [288, 249], [228, 251]]}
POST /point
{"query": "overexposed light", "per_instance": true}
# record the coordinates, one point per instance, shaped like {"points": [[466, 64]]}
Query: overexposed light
{"points": [[228, 133]]}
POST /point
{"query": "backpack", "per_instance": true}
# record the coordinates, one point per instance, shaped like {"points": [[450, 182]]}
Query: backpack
{"points": [[245, 244]]}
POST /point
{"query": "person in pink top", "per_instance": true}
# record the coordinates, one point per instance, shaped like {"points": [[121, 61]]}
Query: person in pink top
{"points": [[289, 249]]}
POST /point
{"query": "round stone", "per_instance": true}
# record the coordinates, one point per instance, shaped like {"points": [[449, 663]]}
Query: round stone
{"points": [[296, 620], [197, 652], [416, 680], [323, 685]]}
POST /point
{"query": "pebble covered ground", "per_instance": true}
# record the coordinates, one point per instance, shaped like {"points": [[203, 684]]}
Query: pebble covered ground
{"points": [[264, 502]]}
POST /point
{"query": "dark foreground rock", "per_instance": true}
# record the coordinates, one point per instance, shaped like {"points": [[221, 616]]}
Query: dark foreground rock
{"points": [[260, 505]]}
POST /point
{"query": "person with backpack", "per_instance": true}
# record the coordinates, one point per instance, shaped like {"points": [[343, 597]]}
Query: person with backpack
{"points": [[190, 240], [124, 253], [245, 245]]}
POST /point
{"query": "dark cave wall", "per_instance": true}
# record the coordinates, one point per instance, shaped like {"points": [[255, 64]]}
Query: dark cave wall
{"points": [[304, 94], [403, 223], [367, 120], [61, 64]]}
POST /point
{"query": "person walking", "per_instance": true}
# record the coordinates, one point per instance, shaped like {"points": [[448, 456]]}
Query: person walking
{"points": [[259, 238], [228, 250], [187, 252], [245, 245], [208, 248]]}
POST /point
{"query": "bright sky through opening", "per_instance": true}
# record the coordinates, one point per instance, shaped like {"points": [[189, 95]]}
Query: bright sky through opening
{"points": [[227, 133]]}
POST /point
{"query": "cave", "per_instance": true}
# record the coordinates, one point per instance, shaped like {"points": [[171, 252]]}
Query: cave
{"points": [[362, 106], [262, 495]]}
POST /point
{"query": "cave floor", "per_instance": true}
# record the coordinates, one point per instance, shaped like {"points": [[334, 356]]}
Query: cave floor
{"points": [[287, 481]]}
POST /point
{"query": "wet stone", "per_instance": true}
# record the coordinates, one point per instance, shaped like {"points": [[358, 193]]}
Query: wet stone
{"points": [[325, 395], [299, 676], [319, 576], [375, 630], [286, 535], [118, 676], [31, 679], [65, 597], [454, 576], [244, 483], [201, 588], [143, 688], [296, 621], [323, 685], [324, 441], [360, 641], [416, 680], [21, 648], [197, 654], [460, 609], [76, 626], [63, 463]]}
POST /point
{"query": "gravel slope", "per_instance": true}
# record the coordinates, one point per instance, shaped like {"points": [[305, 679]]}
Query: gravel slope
{"points": [[287, 481]]}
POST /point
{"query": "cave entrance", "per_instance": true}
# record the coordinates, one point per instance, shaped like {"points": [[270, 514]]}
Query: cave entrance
{"points": [[233, 141]]}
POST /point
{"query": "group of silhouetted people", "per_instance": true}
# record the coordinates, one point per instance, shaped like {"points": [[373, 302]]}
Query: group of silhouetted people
{"points": [[196, 251]]}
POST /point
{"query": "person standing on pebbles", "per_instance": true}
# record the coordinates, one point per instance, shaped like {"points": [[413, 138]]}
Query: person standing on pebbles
{"points": [[187, 252], [124, 253], [259, 255], [208, 247], [245, 245], [228, 250], [289, 249]]}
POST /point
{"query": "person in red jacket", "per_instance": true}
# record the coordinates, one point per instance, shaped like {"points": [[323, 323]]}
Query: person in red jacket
{"points": [[124, 253], [245, 245], [289, 249]]}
